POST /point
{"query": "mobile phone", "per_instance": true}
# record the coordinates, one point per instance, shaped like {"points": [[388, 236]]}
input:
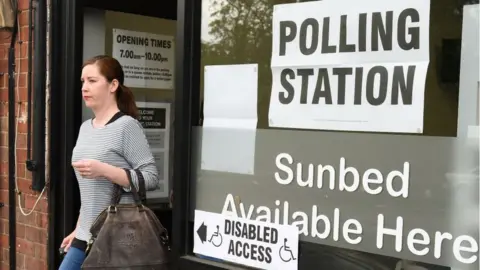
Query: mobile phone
{"points": [[62, 251]]}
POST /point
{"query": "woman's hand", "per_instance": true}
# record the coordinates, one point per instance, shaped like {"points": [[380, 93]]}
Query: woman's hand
{"points": [[90, 168], [67, 241]]}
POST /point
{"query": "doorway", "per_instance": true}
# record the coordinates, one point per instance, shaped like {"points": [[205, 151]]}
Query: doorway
{"points": [[144, 45], [86, 28]]}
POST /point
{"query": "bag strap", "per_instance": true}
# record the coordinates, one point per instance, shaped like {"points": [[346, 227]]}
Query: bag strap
{"points": [[142, 191], [118, 190]]}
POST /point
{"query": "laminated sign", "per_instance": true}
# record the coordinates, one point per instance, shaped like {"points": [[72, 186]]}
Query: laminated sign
{"points": [[256, 244], [155, 119], [350, 65], [147, 59]]}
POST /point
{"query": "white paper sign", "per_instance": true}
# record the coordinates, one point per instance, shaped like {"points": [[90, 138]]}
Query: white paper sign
{"points": [[230, 115], [230, 99], [350, 65], [155, 119], [147, 59], [247, 242]]}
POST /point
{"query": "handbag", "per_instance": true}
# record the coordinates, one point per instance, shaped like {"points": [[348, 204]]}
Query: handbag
{"points": [[128, 236]]}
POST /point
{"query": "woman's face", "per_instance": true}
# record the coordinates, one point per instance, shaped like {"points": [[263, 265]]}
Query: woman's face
{"points": [[96, 90]]}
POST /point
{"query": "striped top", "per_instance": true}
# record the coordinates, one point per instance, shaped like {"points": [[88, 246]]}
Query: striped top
{"points": [[121, 143]]}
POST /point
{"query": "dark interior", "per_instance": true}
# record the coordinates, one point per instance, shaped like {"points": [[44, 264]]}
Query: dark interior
{"points": [[159, 9]]}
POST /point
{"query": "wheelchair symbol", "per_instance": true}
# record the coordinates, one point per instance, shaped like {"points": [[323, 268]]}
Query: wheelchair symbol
{"points": [[216, 239], [285, 252]]}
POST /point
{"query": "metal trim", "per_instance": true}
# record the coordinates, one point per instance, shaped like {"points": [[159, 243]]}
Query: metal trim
{"points": [[187, 104], [182, 127]]}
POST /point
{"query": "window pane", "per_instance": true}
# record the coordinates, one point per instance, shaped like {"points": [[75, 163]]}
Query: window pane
{"points": [[426, 180]]}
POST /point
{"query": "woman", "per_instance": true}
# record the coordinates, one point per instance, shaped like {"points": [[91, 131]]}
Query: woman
{"points": [[107, 145]]}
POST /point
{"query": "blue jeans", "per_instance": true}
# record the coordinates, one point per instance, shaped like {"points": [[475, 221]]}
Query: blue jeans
{"points": [[73, 260]]}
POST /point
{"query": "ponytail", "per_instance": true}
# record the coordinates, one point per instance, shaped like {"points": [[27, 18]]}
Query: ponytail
{"points": [[126, 101]]}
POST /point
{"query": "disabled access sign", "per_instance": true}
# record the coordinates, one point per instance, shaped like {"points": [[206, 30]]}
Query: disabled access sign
{"points": [[247, 242]]}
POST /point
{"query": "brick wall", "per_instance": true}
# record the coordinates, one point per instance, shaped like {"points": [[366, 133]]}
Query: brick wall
{"points": [[32, 229]]}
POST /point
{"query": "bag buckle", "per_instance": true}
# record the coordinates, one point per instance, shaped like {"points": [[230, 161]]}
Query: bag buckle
{"points": [[89, 245]]}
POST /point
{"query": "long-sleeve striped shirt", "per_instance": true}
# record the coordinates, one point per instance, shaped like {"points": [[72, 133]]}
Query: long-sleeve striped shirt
{"points": [[121, 143]]}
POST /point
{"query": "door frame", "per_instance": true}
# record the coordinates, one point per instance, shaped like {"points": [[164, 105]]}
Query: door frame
{"points": [[65, 118]]}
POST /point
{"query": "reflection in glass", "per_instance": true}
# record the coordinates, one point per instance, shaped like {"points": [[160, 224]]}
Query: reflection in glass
{"points": [[444, 159]]}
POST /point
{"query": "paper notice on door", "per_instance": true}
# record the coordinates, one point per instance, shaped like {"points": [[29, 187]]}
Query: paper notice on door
{"points": [[155, 119], [230, 99], [230, 118]]}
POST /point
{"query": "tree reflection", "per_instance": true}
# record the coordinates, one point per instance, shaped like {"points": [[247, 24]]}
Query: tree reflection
{"points": [[241, 32]]}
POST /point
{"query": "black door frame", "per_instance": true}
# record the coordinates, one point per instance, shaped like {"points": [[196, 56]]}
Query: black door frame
{"points": [[65, 119], [66, 116]]}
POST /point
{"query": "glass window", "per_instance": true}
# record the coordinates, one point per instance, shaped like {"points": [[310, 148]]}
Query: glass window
{"points": [[423, 183]]}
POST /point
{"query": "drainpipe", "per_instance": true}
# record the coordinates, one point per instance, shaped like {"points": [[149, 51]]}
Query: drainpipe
{"points": [[30, 164], [39, 85], [11, 143]]}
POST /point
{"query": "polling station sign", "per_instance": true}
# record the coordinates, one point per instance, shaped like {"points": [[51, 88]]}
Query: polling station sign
{"points": [[252, 243], [350, 65]]}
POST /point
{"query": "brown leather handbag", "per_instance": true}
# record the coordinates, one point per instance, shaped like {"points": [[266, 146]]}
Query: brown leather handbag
{"points": [[128, 236]]}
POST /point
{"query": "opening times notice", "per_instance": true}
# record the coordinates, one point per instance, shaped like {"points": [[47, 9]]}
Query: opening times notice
{"points": [[147, 59]]}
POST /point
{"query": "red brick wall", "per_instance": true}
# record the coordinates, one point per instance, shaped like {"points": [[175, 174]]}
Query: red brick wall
{"points": [[32, 229]]}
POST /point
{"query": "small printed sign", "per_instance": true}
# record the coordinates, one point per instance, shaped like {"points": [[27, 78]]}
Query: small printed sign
{"points": [[153, 117], [246, 242], [147, 59]]}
